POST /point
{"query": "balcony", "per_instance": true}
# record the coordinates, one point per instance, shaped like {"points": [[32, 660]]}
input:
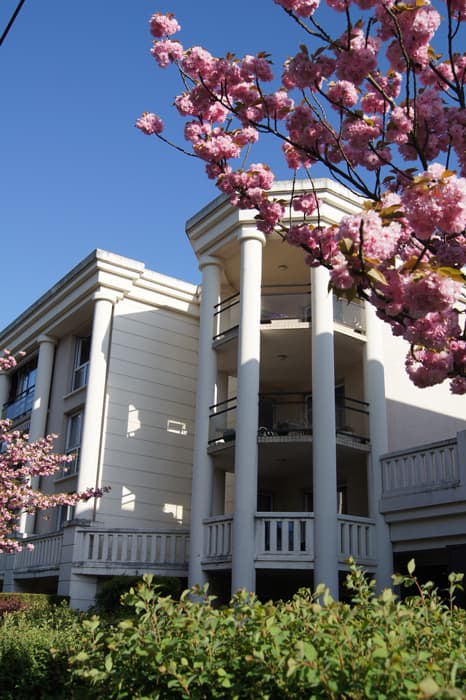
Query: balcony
{"points": [[100, 551], [286, 540], [280, 308], [45, 556], [289, 415], [21, 406], [424, 495], [429, 475]]}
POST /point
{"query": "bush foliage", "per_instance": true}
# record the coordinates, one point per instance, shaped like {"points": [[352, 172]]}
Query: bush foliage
{"points": [[35, 644], [308, 647], [108, 598], [11, 602]]}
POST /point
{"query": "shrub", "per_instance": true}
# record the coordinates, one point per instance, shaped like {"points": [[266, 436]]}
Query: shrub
{"points": [[35, 644], [108, 598], [308, 647], [12, 602]]}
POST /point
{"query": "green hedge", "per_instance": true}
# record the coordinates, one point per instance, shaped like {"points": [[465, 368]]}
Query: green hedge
{"points": [[308, 647], [35, 644]]}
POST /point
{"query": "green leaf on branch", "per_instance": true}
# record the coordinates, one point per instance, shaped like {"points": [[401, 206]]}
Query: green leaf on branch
{"points": [[376, 276]]}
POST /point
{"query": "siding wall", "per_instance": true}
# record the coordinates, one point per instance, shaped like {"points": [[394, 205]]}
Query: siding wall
{"points": [[151, 396], [416, 416]]}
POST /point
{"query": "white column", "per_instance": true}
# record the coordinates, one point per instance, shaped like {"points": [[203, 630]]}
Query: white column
{"points": [[91, 439], [243, 540], [40, 404], [202, 482], [374, 379], [324, 434]]}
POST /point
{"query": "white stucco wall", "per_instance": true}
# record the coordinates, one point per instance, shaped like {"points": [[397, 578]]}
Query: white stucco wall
{"points": [[416, 416], [147, 451]]}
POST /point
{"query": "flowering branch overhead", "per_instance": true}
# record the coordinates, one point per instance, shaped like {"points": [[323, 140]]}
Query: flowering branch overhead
{"points": [[385, 112]]}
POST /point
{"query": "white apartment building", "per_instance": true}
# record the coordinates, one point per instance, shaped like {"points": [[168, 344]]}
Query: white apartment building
{"points": [[289, 439]]}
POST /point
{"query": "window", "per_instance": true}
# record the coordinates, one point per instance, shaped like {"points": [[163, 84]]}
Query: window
{"points": [[21, 394], [73, 442], [81, 362], [64, 513]]}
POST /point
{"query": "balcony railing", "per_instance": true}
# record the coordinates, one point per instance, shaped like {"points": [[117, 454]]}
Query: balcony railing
{"points": [[222, 421], [283, 414], [104, 547], [285, 305], [430, 467], [218, 537], [286, 537], [99, 551], [20, 406], [46, 553], [290, 303], [349, 314], [356, 538]]}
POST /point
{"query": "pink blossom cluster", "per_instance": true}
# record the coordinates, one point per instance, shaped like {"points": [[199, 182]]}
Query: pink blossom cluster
{"points": [[385, 112], [150, 123], [7, 361], [163, 25], [301, 8]]}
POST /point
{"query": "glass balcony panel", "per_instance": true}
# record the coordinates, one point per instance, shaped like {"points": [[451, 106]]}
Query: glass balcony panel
{"points": [[349, 314], [285, 306], [21, 405], [284, 414], [222, 421], [226, 316]]}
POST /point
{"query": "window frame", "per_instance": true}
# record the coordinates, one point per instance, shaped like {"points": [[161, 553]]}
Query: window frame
{"points": [[81, 368], [73, 446]]}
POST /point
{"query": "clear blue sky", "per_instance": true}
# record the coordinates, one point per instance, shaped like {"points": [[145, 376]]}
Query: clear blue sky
{"points": [[74, 172]]}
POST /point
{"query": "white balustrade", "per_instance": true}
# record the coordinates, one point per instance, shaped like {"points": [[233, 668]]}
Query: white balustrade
{"points": [[121, 547], [282, 536], [46, 552], [430, 467], [218, 537], [356, 538]]}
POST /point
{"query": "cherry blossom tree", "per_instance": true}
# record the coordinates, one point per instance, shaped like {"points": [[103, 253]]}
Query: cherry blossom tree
{"points": [[21, 461], [384, 111]]}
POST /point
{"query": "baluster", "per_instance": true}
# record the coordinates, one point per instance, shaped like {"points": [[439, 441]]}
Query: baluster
{"points": [[291, 534], [172, 548], [344, 539], [152, 549]]}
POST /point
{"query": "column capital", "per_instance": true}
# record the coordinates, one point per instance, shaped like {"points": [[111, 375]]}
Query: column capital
{"points": [[206, 260], [246, 234], [105, 295], [44, 338]]}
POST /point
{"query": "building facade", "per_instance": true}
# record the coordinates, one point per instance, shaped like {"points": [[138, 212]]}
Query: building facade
{"points": [[255, 432]]}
